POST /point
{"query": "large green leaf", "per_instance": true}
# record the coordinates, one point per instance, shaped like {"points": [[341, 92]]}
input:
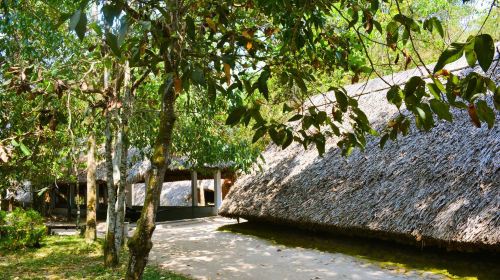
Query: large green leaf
{"points": [[342, 100], [439, 27], [394, 96], [235, 115], [81, 26], [441, 109], [288, 139], [484, 47], [470, 54], [261, 131], [122, 31], [112, 42], [262, 83], [453, 53], [485, 113], [75, 18], [190, 28]]}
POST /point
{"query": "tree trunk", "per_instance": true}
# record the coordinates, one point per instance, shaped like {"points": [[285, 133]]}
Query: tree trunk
{"points": [[110, 254], [123, 168], [140, 244], [90, 230]]}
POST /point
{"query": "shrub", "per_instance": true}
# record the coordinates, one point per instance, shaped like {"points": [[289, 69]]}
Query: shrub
{"points": [[21, 228]]}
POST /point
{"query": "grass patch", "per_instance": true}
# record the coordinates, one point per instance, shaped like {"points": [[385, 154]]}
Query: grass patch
{"points": [[69, 257], [386, 254]]}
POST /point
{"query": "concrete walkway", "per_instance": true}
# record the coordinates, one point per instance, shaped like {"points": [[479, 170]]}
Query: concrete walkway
{"points": [[195, 248]]}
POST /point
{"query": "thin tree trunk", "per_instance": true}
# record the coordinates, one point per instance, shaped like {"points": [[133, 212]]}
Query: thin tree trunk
{"points": [[90, 230], [110, 254], [140, 243], [123, 118]]}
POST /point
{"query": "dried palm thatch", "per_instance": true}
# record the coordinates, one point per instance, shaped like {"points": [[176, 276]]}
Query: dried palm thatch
{"points": [[429, 188]]}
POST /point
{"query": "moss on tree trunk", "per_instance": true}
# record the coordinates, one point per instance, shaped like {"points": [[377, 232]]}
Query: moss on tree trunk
{"points": [[140, 243]]}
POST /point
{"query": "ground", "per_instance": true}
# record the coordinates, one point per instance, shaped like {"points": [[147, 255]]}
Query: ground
{"points": [[67, 257], [205, 249], [219, 248]]}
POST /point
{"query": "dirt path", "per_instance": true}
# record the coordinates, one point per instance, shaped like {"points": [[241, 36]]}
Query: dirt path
{"points": [[197, 249]]}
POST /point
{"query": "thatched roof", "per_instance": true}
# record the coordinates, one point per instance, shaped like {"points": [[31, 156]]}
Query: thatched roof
{"points": [[440, 187], [139, 165]]}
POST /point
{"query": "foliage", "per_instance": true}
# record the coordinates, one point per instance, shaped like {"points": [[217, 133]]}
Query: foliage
{"points": [[35, 69], [20, 229], [68, 257], [256, 62], [204, 140]]}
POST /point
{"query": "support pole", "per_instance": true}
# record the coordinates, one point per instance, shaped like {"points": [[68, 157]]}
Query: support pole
{"points": [[128, 193], [217, 191], [194, 188], [71, 194]]}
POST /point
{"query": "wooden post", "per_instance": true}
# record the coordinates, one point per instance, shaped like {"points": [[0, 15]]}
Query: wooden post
{"points": [[132, 195], [217, 191], [194, 188], [201, 191], [71, 193], [128, 194]]}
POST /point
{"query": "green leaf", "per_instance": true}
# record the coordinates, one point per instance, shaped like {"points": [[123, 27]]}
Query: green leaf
{"points": [[485, 113], [394, 96], [423, 115], [190, 28], [81, 26], [392, 32], [434, 90], [413, 84], [122, 32], [75, 18], [24, 149], [307, 122], [441, 109], [342, 100], [453, 53], [321, 117], [259, 133], [235, 116], [470, 55], [262, 84], [288, 139], [484, 47], [374, 5], [437, 23], [276, 136], [295, 118], [112, 42], [383, 140], [320, 143], [300, 83]]}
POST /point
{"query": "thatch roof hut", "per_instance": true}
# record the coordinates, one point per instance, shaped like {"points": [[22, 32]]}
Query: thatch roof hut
{"points": [[430, 188], [178, 169]]}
